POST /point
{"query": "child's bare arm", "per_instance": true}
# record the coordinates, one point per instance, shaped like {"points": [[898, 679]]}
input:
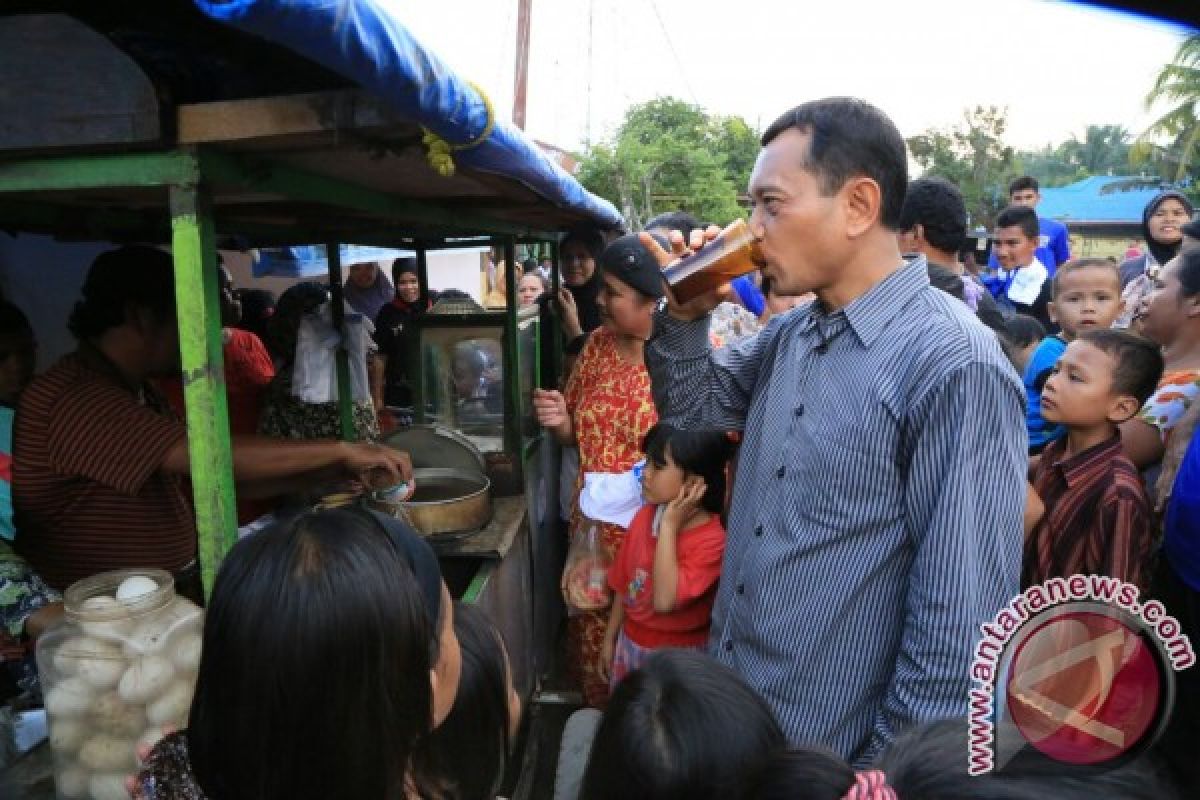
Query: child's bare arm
{"points": [[666, 555], [615, 617]]}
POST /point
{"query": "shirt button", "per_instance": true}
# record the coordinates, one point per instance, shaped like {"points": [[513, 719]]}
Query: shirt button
{"points": [[800, 410], [728, 646], [758, 531], [741, 588], [779, 473]]}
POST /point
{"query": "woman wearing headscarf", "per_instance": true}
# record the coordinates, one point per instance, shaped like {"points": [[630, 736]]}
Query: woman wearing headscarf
{"points": [[368, 289], [578, 253], [1162, 228], [390, 384]]}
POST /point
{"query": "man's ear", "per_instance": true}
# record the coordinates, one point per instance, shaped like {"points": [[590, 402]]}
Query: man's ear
{"points": [[863, 205], [1191, 305], [1123, 408]]}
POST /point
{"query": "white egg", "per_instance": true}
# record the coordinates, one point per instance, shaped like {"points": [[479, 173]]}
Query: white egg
{"points": [[71, 782], [186, 652], [108, 787], [136, 586], [104, 753], [69, 698], [111, 714], [107, 628], [173, 707], [146, 678], [150, 738], [66, 734]]}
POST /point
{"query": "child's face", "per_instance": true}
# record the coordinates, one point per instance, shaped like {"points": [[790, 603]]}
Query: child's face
{"points": [[662, 484], [1079, 393], [1087, 299], [1013, 248]]}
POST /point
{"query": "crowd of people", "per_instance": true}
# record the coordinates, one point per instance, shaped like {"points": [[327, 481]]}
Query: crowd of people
{"points": [[919, 440], [841, 468]]}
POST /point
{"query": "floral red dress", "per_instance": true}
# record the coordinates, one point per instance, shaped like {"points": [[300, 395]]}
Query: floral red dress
{"points": [[611, 409]]}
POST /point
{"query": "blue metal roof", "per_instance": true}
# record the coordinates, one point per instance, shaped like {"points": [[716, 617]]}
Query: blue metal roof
{"points": [[1086, 201]]}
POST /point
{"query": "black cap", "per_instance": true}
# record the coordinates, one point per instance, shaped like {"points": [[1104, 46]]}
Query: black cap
{"points": [[628, 260]]}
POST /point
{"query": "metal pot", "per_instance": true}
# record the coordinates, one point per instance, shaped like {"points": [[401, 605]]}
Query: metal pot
{"points": [[448, 500]]}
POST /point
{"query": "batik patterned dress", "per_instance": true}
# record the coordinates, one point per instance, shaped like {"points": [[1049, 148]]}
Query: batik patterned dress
{"points": [[611, 408]]}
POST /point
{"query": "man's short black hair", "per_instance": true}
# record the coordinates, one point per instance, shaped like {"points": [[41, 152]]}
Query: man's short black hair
{"points": [[937, 206], [849, 137], [136, 275], [1022, 217], [1021, 184], [1139, 361]]}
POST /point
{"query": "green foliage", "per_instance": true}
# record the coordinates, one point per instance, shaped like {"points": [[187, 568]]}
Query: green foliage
{"points": [[973, 156], [670, 155], [1104, 150], [1172, 142]]}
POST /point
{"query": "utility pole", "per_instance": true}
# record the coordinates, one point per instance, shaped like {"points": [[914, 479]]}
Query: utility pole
{"points": [[521, 73]]}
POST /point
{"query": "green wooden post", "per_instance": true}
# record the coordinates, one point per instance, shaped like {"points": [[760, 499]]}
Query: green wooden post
{"points": [[201, 347], [512, 353], [418, 376], [345, 397], [554, 333]]}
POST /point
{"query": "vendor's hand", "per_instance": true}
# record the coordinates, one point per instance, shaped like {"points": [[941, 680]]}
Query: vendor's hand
{"points": [[550, 407], [606, 656], [132, 783], [569, 312], [377, 466], [684, 504], [705, 303]]}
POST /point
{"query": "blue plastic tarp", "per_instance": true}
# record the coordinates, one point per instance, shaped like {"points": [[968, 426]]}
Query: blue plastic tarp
{"points": [[366, 43], [310, 261]]}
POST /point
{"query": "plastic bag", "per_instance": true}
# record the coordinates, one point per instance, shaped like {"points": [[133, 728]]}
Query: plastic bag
{"points": [[585, 576], [314, 376]]}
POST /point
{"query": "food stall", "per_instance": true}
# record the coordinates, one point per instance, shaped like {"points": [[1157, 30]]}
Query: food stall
{"points": [[248, 125]]}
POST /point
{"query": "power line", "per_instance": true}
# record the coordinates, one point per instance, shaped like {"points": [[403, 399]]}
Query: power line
{"points": [[671, 44]]}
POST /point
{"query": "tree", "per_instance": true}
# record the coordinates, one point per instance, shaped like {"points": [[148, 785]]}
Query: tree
{"points": [[670, 155], [1104, 150], [1178, 84], [973, 156]]}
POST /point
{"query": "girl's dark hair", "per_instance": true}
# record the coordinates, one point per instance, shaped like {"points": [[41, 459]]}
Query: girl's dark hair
{"points": [[808, 774], [591, 239], [703, 453], [930, 762], [682, 727], [314, 679], [464, 759], [138, 276]]}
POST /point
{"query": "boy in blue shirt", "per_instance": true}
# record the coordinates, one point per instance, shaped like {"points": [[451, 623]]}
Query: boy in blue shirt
{"points": [[1054, 246], [1086, 295]]}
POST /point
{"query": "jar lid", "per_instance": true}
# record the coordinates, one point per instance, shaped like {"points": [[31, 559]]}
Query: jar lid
{"points": [[437, 446], [94, 599]]}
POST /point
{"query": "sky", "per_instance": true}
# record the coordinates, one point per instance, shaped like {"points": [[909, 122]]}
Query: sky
{"points": [[1057, 66]]}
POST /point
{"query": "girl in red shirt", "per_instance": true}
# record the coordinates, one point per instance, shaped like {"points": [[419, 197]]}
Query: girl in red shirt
{"points": [[664, 577]]}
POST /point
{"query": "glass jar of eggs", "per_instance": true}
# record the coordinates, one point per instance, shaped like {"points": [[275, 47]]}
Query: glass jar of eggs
{"points": [[117, 672]]}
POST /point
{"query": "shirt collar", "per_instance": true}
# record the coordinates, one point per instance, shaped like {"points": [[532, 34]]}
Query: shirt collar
{"points": [[870, 314], [1072, 468]]}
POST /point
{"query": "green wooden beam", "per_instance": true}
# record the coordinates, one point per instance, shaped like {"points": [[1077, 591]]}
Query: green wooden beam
{"points": [[345, 398], [201, 347], [99, 171], [512, 354], [479, 583]]}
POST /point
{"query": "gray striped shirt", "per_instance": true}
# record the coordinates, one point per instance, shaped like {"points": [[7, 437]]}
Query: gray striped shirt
{"points": [[877, 508]]}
